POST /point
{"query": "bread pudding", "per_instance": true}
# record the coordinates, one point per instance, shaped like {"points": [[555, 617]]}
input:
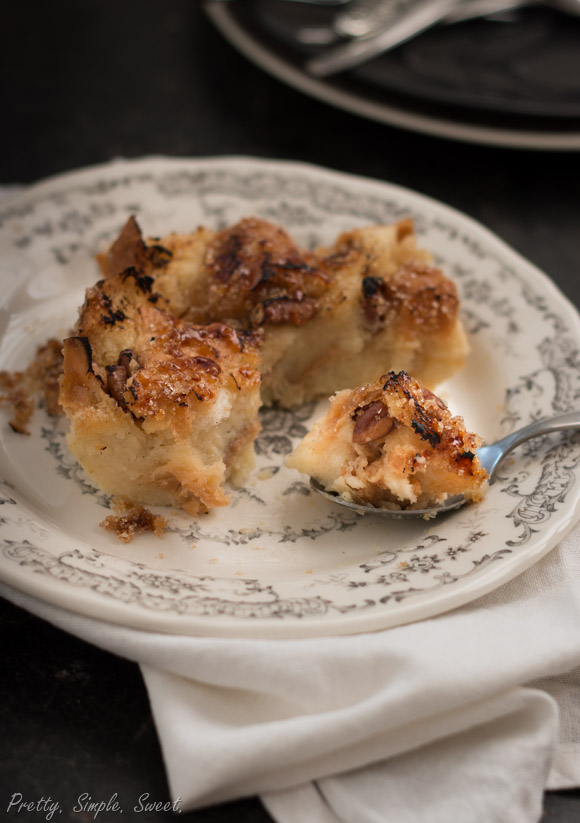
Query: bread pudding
{"points": [[185, 336], [392, 444], [162, 411]]}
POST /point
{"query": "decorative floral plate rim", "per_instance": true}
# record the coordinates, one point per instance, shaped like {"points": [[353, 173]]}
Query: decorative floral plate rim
{"points": [[279, 563]]}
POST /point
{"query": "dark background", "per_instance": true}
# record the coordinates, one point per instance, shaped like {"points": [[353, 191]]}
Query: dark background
{"points": [[90, 80]]}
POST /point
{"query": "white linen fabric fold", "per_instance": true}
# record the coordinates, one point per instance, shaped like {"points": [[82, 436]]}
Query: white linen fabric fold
{"points": [[466, 717]]}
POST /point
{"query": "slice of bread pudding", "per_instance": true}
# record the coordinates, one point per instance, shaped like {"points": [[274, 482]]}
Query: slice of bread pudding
{"points": [[392, 444], [162, 411]]}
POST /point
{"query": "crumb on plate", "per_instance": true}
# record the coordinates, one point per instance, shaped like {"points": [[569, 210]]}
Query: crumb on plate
{"points": [[133, 520]]}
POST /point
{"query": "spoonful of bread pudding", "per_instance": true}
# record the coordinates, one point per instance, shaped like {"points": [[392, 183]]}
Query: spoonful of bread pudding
{"points": [[393, 448]]}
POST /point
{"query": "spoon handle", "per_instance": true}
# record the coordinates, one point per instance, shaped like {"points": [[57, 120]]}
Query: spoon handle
{"points": [[492, 455]]}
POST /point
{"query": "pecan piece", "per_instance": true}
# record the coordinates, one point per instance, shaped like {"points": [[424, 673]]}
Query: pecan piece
{"points": [[117, 383], [207, 364], [128, 361], [283, 309], [117, 376], [372, 423], [428, 395]]}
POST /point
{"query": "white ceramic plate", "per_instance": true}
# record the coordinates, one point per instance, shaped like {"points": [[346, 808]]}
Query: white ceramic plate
{"points": [[359, 98], [280, 561]]}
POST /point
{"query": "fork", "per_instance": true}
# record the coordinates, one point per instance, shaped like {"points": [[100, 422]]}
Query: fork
{"points": [[390, 23]]}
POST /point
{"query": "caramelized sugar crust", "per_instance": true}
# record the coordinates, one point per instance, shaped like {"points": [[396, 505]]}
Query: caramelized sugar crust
{"points": [[332, 318], [162, 410], [257, 276], [164, 379], [253, 274], [417, 296]]}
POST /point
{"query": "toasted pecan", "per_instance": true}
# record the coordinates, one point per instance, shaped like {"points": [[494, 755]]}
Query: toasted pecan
{"points": [[258, 276], [372, 423]]}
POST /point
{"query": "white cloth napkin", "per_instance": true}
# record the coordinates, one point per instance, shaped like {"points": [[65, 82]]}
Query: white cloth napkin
{"points": [[466, 717]]}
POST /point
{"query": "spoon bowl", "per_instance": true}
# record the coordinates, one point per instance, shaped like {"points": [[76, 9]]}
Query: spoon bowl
{"points": [[448, 505], [490, 456]]}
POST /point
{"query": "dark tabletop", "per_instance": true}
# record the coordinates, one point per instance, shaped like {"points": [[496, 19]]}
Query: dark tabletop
{"points": [[89, 80]]}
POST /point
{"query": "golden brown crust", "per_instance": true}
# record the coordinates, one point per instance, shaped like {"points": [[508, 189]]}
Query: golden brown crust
{"points": [[257, 276], [373, 291], [417, 296], [408, 403], [172, 368], [129, 251], [184, 366]]}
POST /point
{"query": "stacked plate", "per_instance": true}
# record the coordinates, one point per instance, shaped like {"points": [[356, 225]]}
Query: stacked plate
{"points": [[511, 81]]}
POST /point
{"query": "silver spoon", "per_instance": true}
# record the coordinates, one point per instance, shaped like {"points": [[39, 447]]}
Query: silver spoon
{"points": [[490, 457]]}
